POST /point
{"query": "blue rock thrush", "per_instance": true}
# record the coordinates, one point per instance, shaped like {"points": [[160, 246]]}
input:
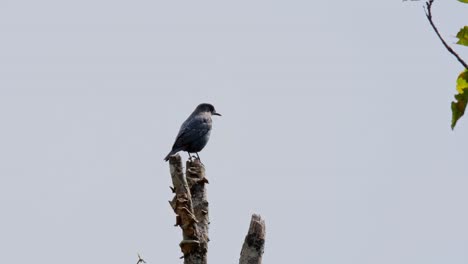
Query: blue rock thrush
{"points": [[195, 131]]}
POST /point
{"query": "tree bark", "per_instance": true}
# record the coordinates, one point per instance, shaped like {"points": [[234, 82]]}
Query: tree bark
{"points": [[190, 205], [191, 208], [254, 242], [195, 174]]}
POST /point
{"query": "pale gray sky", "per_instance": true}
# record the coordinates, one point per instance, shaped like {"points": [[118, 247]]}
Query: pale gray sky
{"points": [[335, 128]]}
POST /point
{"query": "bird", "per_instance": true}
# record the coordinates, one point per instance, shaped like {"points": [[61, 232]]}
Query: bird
{"points": [[195, 131]]}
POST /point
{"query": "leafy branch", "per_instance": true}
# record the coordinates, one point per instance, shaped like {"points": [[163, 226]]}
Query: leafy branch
{"points": [[428, 10], [458, 106]]}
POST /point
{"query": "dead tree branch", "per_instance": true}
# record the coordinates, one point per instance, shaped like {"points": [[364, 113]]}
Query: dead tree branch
{"points": [[254, 242], [190, 205], [428, 11], [195, 174], [191, 208]]}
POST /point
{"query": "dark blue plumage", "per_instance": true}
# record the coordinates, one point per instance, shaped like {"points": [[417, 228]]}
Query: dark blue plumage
{"points": [[195, 131]]}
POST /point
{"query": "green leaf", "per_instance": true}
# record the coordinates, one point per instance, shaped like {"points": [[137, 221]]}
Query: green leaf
{"points": [[462, 35], [462, 81], [459, 106], [464, 1]]}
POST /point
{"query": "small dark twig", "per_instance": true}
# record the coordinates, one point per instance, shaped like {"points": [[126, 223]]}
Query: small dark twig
{"points": [[428, 11], [140, 260]]}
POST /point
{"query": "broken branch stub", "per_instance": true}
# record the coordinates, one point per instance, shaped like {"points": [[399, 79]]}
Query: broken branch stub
{"points": [[254, 243]]}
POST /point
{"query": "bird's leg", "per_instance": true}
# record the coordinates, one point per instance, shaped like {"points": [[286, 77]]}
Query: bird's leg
{"points": [[198, 157], [189, 156]]}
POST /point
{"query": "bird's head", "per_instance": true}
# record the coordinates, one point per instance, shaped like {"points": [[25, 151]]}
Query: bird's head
{"points": [[206, 108]]}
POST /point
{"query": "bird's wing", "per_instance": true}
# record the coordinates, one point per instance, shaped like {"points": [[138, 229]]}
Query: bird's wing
{"points": [[192, 130]]}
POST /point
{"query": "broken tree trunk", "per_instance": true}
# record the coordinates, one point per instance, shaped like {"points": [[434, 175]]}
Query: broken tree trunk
{"points": [[191, 207], [195, 174], [254, 242]]}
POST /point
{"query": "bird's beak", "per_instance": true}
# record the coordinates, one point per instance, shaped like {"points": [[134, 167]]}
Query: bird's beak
{"points": [[218, 114]]}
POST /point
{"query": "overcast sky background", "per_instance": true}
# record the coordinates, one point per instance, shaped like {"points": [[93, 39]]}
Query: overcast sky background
{"points": [[335, 128]]}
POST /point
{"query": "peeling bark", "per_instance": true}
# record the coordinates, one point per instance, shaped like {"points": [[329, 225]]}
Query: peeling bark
{"points": [[196, 179], [191, 208], [190, 205], [254, 242]]}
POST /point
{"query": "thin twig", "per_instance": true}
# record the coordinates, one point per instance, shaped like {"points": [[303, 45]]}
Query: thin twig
{"points": [[140, 260], [428, 12]]}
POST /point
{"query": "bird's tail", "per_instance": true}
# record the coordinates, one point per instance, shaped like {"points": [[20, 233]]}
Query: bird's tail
{"points": [[170, 154]]}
